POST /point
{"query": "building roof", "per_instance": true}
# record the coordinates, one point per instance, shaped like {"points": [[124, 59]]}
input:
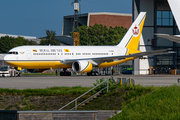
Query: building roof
{"points": [[25, 37], [66, 39], [15, 36], [98, 13], [89, 19], [109, 13]]}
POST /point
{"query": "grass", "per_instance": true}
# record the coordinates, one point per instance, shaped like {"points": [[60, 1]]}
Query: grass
{"points": [[116, 96], [73, 91], [163, 103], [39, 99], [136, 102]]}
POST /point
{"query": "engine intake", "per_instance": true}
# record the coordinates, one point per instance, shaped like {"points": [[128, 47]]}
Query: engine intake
{"points": [[82, 66]]}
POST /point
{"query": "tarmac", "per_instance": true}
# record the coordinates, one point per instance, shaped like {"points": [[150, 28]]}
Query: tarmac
{"points": [[25, 82]]}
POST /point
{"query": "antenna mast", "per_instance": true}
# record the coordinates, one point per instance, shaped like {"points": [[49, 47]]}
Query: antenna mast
{"points": [[76, 23]]}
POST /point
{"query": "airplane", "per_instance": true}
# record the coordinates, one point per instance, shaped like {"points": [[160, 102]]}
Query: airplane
{"points": [[82, 59], [174, 5]]}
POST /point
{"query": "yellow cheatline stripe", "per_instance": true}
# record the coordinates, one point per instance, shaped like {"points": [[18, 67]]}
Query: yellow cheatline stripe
{"points": [[37, 64]]}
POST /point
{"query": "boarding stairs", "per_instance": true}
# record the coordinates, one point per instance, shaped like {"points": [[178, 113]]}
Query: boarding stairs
{"points": [[90, 98]]}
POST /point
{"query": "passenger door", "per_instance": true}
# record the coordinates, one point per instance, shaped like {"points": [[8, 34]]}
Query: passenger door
{"points": [[28, 54]]}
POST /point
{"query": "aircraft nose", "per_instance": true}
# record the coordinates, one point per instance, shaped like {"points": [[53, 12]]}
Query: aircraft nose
{"points": [[6, 58]]}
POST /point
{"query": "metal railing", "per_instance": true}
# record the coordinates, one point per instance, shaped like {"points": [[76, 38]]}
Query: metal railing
{"points": [[75, 100]]}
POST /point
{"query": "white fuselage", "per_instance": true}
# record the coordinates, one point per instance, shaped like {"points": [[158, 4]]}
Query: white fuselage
{"points": [[34, 57], [63, 52]]}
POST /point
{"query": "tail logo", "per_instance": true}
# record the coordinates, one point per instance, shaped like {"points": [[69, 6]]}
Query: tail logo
{"points": [[135, 31]]}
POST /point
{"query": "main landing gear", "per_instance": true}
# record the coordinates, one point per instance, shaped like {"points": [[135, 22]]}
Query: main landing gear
{"points": [[65, 72], [93, 73]]}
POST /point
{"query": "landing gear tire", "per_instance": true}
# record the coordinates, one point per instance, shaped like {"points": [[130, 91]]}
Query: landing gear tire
{"points": [[61, 73], [65, 73], [92, 73], [69, 73], [88, 74]]}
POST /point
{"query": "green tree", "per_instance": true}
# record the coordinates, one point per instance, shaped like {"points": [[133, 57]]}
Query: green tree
{"points": [[7, 43], [50, 34], [50, 38], [101, 35]]}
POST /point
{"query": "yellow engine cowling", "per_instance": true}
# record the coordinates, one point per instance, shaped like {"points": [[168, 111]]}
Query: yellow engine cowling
{"points": [[82, 66]]}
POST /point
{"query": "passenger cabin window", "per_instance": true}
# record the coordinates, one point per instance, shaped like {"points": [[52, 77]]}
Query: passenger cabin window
{"points": [[99, 53], [15, 53], [78, 53], [44, 53], [86, 53], [67, 53]]}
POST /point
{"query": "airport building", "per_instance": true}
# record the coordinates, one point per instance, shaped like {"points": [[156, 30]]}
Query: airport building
{"points": [[159, 19], [64, 39], [89, 19]]}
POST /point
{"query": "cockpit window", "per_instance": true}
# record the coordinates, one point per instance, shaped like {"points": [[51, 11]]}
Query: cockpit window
{"points": [[15, 53]]}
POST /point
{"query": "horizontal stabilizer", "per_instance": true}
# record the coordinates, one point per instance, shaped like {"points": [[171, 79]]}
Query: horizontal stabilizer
{"points": [[174, 38]]}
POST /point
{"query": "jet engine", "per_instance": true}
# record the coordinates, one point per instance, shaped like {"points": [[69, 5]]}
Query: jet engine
{"points": [[82, 66]]}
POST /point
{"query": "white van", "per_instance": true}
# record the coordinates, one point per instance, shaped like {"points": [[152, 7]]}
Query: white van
{"points": [[8, 71]]}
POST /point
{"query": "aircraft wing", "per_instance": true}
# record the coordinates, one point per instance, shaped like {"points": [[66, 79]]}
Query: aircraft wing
{"points": [[113, 58], [174, 38]]}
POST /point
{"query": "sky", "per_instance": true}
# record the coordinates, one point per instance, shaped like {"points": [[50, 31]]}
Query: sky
{"points": [[33, 17]]}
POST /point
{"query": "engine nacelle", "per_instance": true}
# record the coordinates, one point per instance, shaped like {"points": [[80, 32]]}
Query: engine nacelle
{"points": [[82, 66]]}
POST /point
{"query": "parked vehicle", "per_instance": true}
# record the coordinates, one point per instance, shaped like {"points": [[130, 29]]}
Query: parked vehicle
{"points": [[8, 71], [127, 72]]}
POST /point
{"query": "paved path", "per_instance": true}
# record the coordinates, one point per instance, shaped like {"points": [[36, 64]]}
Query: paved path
{"points": [[51, 81]]}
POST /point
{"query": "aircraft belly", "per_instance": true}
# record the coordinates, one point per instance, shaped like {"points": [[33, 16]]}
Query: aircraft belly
{"points": [[37, 64]]}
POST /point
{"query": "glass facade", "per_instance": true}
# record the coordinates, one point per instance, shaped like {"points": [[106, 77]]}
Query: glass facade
{"points": [[164, 18]]}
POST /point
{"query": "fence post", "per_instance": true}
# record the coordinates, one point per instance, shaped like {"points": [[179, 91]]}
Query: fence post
{"points": [[107, 85], [76, 104], [121, 81]]}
